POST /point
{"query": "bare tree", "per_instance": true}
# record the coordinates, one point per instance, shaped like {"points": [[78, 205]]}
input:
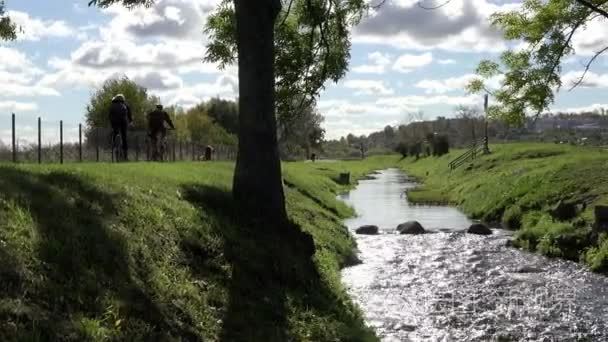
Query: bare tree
{"points": [[468, 115]]}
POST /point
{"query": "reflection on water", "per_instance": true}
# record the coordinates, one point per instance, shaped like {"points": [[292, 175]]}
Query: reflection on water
{"points": [[451, 286]]}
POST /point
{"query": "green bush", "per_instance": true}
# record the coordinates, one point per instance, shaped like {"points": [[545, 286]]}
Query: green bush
{"points": [[441, 145], [597, 257], [403, 149], [511, 219]]}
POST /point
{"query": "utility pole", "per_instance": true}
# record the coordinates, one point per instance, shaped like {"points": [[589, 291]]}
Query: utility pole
{"points": [[486, 148]]}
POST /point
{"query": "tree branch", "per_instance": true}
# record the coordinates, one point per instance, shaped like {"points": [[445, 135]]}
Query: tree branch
{"points": [[587, 66], [433, 7], [378, 5], [559, 56], [593, 7], [287, 13]]}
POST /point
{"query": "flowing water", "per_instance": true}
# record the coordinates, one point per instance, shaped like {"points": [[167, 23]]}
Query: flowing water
{"points": [[452, 286]]}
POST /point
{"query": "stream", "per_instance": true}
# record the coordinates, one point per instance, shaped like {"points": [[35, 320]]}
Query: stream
{"points": [[451, 286]]}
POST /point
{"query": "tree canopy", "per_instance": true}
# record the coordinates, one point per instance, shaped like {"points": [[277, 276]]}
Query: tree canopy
{"points": [[8, 30], [312, 44], [137, 97], [532, 74]]}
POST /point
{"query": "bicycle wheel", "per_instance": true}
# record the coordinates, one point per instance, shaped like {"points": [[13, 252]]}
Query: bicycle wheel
{"points": [[117, 153]]}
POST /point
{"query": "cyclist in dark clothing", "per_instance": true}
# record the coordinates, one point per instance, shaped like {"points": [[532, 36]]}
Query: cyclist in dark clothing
{"points": [[156, 125], [120, 119]]}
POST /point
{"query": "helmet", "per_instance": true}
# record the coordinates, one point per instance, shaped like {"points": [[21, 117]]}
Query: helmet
{"points": [[119, 97], [159, 106]]}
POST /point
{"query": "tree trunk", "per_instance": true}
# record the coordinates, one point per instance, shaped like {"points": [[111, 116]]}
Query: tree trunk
{"points": [[258, 185]]}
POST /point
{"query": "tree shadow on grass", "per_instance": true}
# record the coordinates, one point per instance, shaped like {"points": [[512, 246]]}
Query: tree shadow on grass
{"points": [[270, 266], [80, 267]]}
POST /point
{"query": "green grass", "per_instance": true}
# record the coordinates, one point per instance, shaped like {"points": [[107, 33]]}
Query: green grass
{"points": [[518, 185], [154, 252]]}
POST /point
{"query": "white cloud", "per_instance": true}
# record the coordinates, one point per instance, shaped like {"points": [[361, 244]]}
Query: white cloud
{"points": [[415, 101], [446, 61], [593, 37], [36, 29], [150, 45], [169, 19], [187, 96], [368, 87], [14, 106], [406, 63], [457, 26], [445, 85], [379, 62], [344, 116], [591, 80], [20, 77], [582, 109]]}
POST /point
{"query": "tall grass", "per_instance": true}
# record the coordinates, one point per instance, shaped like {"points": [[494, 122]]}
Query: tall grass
{"points": [[147, 251], [519, 185]]}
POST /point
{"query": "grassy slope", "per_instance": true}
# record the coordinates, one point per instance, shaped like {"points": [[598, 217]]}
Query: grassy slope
{"points": [[153, 252], [529, 179]]}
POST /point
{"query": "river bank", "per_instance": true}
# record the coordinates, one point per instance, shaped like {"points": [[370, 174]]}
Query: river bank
{"points": [[546, 192], [143, 251]]}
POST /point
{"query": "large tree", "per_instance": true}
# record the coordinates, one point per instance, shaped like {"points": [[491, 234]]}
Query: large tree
{"points": [[313, 43], [532, 74]]}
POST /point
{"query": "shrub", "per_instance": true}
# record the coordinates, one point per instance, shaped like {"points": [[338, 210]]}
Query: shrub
{"points": [[415, 149], [597, 257], [441, 145], [511, 219], [402, 148]]}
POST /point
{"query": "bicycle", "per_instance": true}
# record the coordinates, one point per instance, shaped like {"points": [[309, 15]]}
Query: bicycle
{"points": [[118, 154], [159, 150]]}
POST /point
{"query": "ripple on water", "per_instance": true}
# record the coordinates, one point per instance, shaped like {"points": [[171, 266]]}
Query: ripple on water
{"points": [[452, 286]]}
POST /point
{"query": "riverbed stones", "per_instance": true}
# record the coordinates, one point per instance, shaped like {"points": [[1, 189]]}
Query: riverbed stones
{"points": [[479, 229], [411, 227], [367, 230]]}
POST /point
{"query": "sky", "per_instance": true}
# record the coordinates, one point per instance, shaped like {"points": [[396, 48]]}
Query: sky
{"points": [[405, 59]]}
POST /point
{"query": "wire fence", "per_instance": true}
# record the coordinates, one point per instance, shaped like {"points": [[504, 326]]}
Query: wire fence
{"points": [[39, 141]]}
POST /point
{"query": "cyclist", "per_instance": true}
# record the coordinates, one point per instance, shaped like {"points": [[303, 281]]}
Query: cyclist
{"points": [[120, 119], [156, 126]]}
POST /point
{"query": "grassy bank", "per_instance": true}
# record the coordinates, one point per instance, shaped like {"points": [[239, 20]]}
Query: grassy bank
{"points": [[546, 191], [153, 252]]}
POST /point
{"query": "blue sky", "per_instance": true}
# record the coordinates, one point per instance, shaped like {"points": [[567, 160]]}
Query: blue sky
{"points": [[404, 59]]}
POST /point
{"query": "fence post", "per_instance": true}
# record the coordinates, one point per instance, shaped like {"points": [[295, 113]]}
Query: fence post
{"points": [[136, 148], [173, 146], [61, 142], [97, 145], [192, 145], [39, 140], [14, 142], [80, 142]]}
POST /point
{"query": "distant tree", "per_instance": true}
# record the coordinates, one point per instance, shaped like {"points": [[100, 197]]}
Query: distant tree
{"points": [[225, 113], [469, 117], [415, 149], [389, 136], [441, 145], [137, 97], [8, 30], [351, 139], [202, 129], [301, 132], [402, 148], [363, 145]]}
